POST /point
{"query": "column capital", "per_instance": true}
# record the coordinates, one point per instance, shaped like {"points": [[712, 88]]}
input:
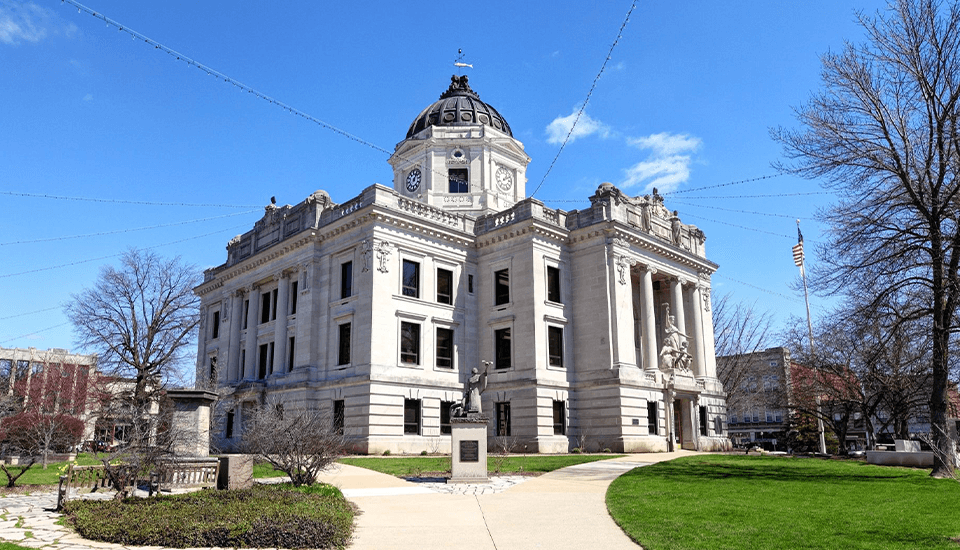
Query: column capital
{"points": [[240, 292]]}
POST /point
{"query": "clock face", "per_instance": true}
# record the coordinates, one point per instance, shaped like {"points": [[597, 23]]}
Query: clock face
{"points": [[504, 179], [413, 179]]}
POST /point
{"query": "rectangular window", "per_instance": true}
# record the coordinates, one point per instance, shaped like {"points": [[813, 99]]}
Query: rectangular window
{"points": [[228, 431], [559, 418], [653, 418], [553, 284], [273, 297], [444, 286], [215, 329], [445, 407], [501, 281], [243, 362], [246, 312], [346, 280], [503, 418], [265, 308], [470, 284], [411, 416], [459, 180], [703, 420], [445, 348], [343, 350], [555, 346], [291, 349], [339, 416], [263, 361], [293, 296], [409, 343], [501, 339], [769, 416], [411, 279], [213, 370], [733, 419]]}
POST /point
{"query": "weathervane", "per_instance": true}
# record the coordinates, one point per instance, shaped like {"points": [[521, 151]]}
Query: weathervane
{"points": [[459, 62]]}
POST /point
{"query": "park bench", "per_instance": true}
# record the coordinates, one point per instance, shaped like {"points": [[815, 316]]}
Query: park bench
{"points": [[190, 473]]}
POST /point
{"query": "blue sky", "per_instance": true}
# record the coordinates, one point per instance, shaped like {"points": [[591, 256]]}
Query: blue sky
{"points": [[686, 102]]}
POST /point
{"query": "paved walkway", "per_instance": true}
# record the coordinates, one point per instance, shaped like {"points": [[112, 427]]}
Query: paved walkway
{"points": [[559, 510]]}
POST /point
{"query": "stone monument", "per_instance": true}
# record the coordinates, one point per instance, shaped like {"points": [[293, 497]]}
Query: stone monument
{"points": [[468, 426]]}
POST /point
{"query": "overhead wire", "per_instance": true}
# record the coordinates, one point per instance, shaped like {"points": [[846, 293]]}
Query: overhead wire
{"points": [[583, 106], [131, 230], [29, 313], [31, 333], [122, 201]]}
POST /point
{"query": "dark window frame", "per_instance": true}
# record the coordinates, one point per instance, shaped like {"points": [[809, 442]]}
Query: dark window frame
{"points": [[346, 280], [503, 348], [703, 420], [215, 325], [559, 417], [445, 427], [444, 348], [409, 343], [502, 409], [343, 344], [553, 285], [294, 291], [339, 415], [501, 287], [458, 180], [555, 346], [653, 418], [444, 286], [291, 352], [410, 279], [411, 416]]}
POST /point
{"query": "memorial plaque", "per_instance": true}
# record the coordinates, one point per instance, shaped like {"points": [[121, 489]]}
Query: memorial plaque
{"points": [[469, 451]]}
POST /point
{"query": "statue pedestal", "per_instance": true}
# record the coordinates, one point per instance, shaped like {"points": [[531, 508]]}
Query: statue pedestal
{"points": [[468, 462]]}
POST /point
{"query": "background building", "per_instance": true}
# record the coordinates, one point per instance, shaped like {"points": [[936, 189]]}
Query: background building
{"points": [[377, 308]]}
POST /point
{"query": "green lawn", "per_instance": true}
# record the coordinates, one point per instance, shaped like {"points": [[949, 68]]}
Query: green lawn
{"points": [[36, 475], [405, 466], [723, 501]]}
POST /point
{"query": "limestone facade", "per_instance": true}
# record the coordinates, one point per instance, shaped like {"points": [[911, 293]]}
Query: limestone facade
{"points": [[377, 308]]}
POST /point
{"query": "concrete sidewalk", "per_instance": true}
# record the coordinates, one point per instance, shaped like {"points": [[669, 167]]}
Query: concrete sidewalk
{"points": [[559, 510]]}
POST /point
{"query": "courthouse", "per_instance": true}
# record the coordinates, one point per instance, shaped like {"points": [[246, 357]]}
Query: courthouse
{"points": [[594, 325]]}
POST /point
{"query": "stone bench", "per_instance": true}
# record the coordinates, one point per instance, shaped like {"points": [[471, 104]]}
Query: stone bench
{"points": [[181, 474]]}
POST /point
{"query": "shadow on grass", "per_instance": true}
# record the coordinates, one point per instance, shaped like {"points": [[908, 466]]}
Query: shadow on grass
{"points": [[774, 469]]}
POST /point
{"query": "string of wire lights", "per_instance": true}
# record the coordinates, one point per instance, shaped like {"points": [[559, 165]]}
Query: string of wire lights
{"points": [[240, 85], [29, 313], [755, 287], [102, 233], [587, 100], [741, 227], [739, 211], [766, 196], [761, 178], [31, 333], [88, 260], [122, 201]]}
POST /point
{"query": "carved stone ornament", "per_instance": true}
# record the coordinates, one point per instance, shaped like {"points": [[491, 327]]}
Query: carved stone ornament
{"points": [[623, 268], [234, 241], [271, 217], [366, 250], [705, 294], [383, 250], [704, 276]]}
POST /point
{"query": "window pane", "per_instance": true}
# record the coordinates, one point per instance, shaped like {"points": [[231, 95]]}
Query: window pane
{"points": [[445, 348], [553, 284], [501, 286], [503, 418], [343, 354], [555, 346], [339, 415], [346, 280], [410, 343], [653, 419], [293, 297], [502, 343], [445, 286], [559, 420], [411, 279], [411, 416], [445, 417], [458, 180], [265, 307], [215, 328]]}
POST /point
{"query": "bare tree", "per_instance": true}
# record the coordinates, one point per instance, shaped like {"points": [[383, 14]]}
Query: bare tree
{"points": [[299, 442], [741, 330], [884, 135], [141, 319]]}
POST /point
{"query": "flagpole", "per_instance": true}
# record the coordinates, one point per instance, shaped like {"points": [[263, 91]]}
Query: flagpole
{"points": [[806, 299]]}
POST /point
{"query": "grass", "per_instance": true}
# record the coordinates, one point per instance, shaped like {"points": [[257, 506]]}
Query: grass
{"points": [[265, 516], [721, 501], [36, 475], [12, 546], [406, 466]]}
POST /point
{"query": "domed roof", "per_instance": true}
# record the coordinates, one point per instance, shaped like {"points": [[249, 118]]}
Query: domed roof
{"points": [[458, 106]]}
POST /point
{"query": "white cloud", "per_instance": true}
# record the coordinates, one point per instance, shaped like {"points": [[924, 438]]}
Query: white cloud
{"points": [[22, 22], [88, 97], [667, 165], [558, 129]]}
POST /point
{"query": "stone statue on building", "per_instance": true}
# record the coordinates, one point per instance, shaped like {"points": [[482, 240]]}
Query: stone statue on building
{"points": [[472, 388], [673, 354], [675, 227]]}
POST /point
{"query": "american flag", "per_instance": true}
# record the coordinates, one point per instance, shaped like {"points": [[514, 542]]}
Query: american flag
{"points": [[798, 249]]}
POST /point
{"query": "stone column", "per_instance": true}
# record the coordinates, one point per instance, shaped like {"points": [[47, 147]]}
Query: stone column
{"points": [[710, 357], [250, 369], [191, 420], [676, 305], [649, 316], [621, 315], [280, 325], [699, 364], [234, 368]]}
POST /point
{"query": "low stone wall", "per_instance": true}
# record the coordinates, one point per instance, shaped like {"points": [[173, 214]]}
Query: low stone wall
{"points": [[916, 459]]}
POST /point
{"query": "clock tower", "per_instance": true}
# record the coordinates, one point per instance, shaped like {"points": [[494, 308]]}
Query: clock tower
{"points": [[460, 155]]}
